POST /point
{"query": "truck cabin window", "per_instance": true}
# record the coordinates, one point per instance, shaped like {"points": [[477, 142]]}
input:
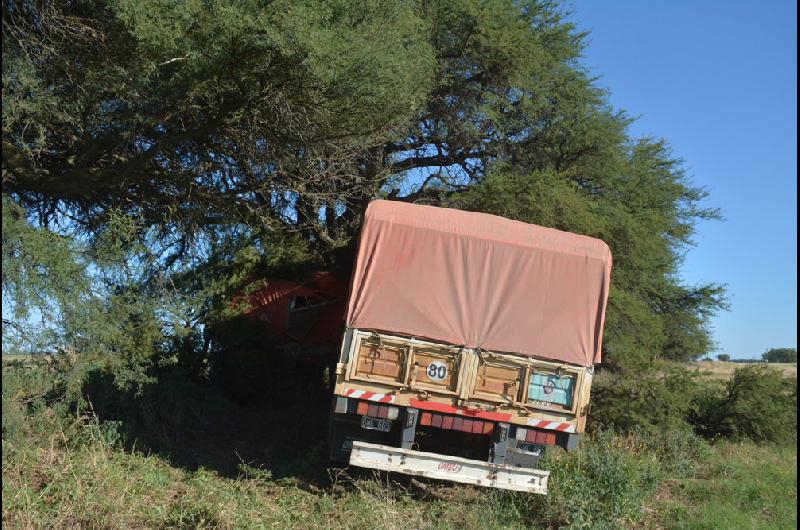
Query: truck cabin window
{"points": [[303, 314], [551, 388]]}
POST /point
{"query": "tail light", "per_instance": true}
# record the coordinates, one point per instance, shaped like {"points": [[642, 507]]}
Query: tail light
{"points": [[455, 423], [536, 436], [377, 410]]}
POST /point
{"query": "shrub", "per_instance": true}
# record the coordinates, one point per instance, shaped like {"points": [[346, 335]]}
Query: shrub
{"points": [[679, 451], [12, 413], [758, 404], [604, 485], [724, 357], [652, 399], [35, 396]]}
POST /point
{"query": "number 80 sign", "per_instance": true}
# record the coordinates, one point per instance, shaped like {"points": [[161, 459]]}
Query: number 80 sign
{"points": [[436, 371]]}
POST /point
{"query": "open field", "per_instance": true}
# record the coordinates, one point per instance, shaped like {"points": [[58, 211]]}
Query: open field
{"points": [[724, 370]]}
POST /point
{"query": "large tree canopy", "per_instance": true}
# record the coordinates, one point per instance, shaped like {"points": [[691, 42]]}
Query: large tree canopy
{"points": [[243, 137]]}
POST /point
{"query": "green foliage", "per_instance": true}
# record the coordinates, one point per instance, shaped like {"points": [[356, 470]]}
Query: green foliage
{"points": [[13, 416], [780, 355], [724, 357], [757, 404], [602, 486], [679, 451], [91, 305], [653, 400], [213, 115], [243, 139], [38, 397], [43, 276]]}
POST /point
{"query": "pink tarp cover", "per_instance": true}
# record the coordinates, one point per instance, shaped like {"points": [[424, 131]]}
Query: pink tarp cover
{"points": [[479, 280]]}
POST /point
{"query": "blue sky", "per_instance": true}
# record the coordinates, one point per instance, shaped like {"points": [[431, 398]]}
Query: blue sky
{"points": [[718, 80]]}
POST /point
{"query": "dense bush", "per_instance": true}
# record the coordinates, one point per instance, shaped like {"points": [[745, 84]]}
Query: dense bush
{"points": [[40, 389], [758, 404], [648, 399], [13, 417], [678, 451], [602, 486], [247, 363]]}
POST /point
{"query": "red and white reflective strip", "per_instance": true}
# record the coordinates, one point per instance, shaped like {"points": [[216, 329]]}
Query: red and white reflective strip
{"points": [[369, 396], [552, 425]]}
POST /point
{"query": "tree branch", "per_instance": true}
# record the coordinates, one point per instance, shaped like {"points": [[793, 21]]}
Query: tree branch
{"points": [[432, 161]]}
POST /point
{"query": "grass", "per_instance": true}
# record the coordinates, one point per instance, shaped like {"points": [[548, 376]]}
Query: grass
{"points": [[738, 486], [96, 484], [190, 458]]}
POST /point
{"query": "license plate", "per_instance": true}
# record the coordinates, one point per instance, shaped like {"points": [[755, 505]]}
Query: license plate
{"points": [[535, 450], [375, 424]]}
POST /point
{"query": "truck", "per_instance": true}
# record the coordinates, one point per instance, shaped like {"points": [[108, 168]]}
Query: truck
{"points": [[469, 345]]}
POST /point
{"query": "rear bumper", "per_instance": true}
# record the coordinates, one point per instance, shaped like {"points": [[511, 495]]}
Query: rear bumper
{"points": [[432, 465]]}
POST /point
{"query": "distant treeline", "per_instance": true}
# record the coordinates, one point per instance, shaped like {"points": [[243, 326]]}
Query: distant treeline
{"points": [[773, 355], [754, 361]]}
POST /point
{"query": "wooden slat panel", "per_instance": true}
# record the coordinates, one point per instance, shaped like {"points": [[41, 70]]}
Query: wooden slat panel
{"points": [[499, 372], [498, 380], [380, 360]]}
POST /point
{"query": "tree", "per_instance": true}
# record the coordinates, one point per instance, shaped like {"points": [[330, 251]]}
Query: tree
{"points": [[247, 138], [58, 303], [780, 355], [724, 357]]}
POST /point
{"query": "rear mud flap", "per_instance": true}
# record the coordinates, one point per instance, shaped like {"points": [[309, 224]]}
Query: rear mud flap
{"points": [[432, 465]]}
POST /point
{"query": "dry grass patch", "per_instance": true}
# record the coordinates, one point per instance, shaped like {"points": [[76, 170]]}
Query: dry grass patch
{"points": [[720, 370]]}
